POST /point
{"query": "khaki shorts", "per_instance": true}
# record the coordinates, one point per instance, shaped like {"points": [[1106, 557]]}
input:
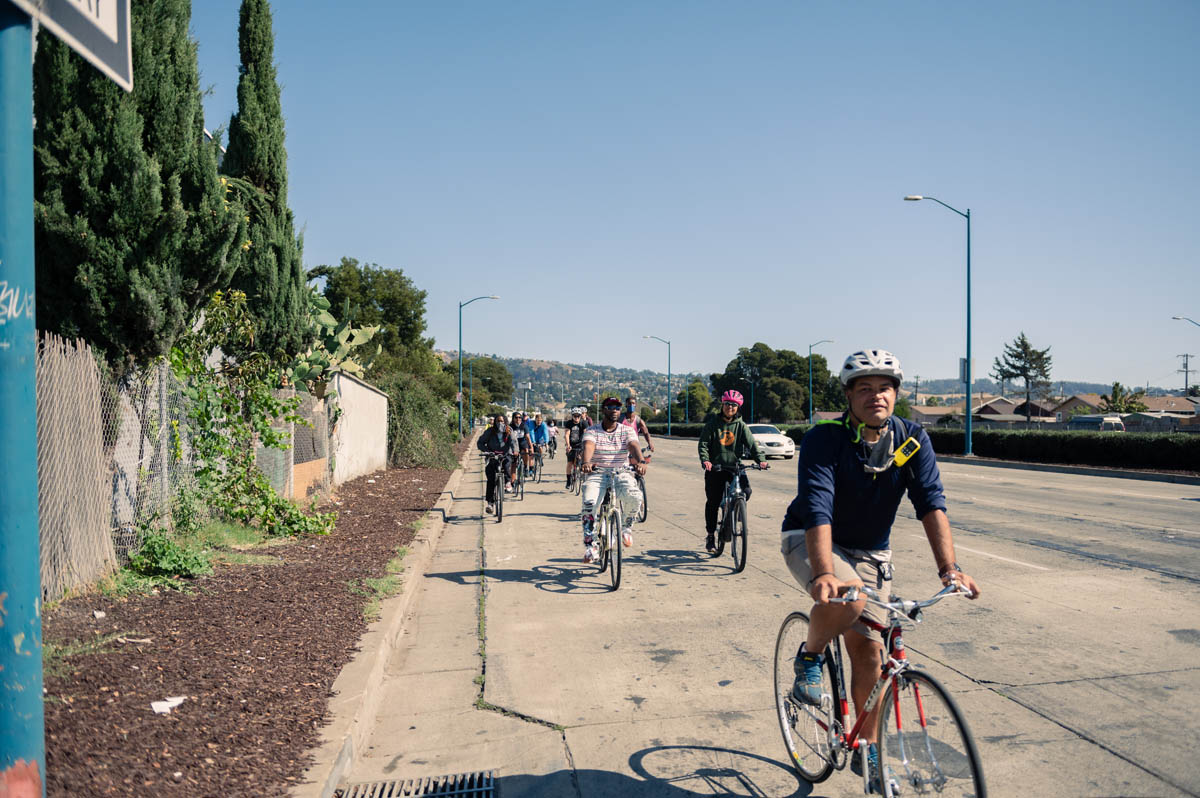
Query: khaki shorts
{"points": [[872, 568]]}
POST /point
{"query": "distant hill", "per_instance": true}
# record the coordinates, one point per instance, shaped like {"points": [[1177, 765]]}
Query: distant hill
{"points": [[553, 380]]}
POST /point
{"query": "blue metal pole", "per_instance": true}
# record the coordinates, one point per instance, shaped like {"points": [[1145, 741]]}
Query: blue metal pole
{"points": [[22, 723], [668, 387], [460, 424], [968, 408], [810, 402]]}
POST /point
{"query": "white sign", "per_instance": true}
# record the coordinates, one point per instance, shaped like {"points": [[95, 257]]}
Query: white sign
{"points": [[96, 29]]}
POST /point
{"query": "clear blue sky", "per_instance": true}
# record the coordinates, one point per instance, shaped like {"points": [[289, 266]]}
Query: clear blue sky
{"points": [[721, 173]]}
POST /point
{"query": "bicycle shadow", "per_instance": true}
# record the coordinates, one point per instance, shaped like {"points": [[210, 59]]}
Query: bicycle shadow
{"points": [[684, 562], [668, 771], [576, 578]]}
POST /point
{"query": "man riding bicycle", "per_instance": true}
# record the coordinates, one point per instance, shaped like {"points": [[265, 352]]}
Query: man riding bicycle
{"points": [[631, 418], [609, 446], [497, 440], [853, 472], [724, 441], [574, 430], [539, 433]]}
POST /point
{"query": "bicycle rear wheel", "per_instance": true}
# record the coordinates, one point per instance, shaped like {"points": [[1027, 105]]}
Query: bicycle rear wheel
{"points": [[500, 497], [613, 532], [737, 539], [644, 507], [519, 493], [721, 527], [924, 741], [806, 729]]}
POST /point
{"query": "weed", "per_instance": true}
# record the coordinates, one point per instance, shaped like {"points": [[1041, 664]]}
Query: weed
{"points": [[55, 656]]}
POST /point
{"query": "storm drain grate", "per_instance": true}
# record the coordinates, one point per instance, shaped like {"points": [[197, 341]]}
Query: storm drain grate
{"points": [[474, 785]]}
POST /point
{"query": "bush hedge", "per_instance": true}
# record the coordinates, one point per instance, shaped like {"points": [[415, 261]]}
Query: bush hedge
{"points": [[418, 431], [1160, 451]]}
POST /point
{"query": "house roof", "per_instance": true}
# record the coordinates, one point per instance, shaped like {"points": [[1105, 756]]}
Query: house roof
{"points": [[1039, 406], [1169, 404], [933, 412], [1090, 399]]}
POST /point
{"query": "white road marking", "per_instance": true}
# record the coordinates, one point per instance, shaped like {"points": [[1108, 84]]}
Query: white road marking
{"points": [[995, 556]]}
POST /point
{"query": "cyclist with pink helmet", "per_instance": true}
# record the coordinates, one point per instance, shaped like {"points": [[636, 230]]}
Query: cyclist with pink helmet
{"points": [[724, 441]]}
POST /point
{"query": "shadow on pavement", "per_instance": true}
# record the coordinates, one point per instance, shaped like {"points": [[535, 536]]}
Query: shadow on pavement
{"points": [[670, 771], [575, 578]]}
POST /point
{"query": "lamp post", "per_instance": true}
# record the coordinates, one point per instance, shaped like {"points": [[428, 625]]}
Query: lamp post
{"points": [[810, 401], [668, 343], [1185, 318], [967, 367], [462, 305]]}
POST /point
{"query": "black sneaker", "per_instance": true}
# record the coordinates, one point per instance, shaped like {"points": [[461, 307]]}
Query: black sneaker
{"points": [[710, 543]]}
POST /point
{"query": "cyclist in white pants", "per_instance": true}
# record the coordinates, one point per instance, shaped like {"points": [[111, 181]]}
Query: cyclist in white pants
{"points": [[608, 448]]}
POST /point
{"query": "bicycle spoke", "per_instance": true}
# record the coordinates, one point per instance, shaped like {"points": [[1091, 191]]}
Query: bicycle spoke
{"points": [[805, 729], [924, 742]]}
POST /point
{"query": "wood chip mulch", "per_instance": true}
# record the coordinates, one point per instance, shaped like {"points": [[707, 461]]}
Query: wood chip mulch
{"points": [[254, 648]]}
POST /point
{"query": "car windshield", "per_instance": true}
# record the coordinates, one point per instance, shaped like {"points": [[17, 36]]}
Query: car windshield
{"points": [[764, 429]]}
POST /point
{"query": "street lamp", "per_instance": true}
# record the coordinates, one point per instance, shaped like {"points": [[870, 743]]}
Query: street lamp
{"points": [[810, 402], [1185, 318], [668, 343], [462, 305], [967, 367]]}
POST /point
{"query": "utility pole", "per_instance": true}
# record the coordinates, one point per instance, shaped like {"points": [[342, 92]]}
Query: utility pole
{"points": [[917, 389], [1185, 371]]}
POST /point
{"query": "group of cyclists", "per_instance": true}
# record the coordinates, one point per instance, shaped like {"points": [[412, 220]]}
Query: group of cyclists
{"points": [[853, 473]]}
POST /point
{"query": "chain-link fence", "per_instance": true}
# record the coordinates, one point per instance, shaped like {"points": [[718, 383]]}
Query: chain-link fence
{"points": [[111, 460]]}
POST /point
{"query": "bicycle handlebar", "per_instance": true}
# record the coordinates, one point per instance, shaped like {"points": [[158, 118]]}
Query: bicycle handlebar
{"points": [[739, 467], [909, 607]]}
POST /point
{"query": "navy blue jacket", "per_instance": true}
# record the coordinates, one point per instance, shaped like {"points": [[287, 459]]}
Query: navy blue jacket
{"points": [[861, 507]]}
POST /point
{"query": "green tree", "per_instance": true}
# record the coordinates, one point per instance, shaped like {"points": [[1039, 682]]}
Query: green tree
{"points": [[387, 297], [903, 407], [933, 401], [1022, 361], [493, 382], [134, 229], [272, 273], [780, 383], [693, 402], [1122, 400]]}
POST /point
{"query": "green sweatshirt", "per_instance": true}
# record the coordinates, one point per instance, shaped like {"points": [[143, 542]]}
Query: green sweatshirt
{"points": [[722, 441]]}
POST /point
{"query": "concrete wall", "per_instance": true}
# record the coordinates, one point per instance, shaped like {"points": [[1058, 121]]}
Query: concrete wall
{"points": [[360, 435]]}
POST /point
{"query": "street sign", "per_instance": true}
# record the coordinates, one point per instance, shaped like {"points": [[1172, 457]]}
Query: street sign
{"points": [[96, 29]]}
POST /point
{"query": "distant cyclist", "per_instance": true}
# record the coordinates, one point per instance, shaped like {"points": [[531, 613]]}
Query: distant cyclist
{"points": [[631, 418], [573, 431], [724, 441], [539, 433], [608, 448], [837, 530], [521, 432], [497, 439]]}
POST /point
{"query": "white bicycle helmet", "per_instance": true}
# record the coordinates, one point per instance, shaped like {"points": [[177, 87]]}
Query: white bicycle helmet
{"points": [[872, 363]]}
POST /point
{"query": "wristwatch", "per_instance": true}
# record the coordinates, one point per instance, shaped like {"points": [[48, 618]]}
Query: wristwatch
{"points": [[952, 567]]}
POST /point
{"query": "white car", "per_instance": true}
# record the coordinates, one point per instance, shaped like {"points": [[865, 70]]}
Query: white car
{"points": [[772, 442]]}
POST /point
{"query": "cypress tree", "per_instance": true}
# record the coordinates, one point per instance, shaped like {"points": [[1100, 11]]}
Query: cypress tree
{"points": [[133, 228], [272, 273]]}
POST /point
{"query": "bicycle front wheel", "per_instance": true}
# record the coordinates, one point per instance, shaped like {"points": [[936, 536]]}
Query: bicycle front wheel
{"points": [[925, 745], [737, 535], [644, 507], [613, 530], [500, 498], [808, 731]]}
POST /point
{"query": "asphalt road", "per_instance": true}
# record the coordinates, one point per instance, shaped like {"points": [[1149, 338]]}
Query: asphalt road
{"points": [[1078, 668]]}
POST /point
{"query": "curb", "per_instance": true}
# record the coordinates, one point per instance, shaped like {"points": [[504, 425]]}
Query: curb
{"points": [[1116, 473], [356, 690]]}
